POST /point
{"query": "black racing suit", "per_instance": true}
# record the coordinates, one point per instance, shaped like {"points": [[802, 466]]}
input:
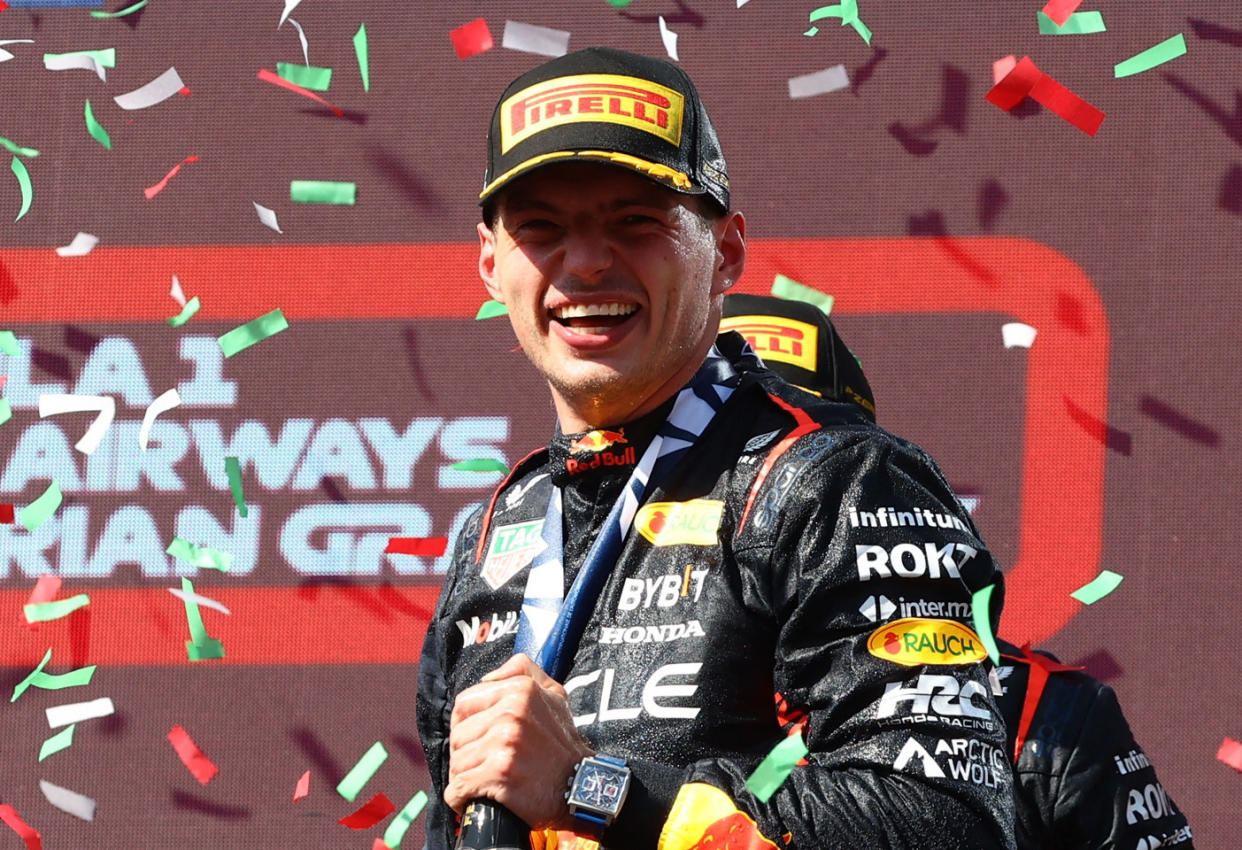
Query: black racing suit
{"points": [[798, 557], [1083, 782]]}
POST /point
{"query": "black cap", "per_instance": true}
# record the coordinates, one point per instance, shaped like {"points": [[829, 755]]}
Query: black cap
{"points": [[608, 106], [799, 343]]}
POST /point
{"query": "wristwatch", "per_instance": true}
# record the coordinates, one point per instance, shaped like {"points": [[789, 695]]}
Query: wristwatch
{"points": [[597, 790]]}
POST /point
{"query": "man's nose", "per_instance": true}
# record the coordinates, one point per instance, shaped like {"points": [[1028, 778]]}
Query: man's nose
{"points": [[587, 253]]}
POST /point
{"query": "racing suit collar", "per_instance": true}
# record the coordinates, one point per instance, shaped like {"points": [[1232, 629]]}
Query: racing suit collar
{"points": [[588, 457]]}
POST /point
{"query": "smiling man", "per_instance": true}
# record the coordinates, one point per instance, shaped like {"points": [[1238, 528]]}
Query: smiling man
{"points": [[705, 561]]}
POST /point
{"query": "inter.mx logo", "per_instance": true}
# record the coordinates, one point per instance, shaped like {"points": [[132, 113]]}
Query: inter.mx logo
{"points": [[879, 608]]}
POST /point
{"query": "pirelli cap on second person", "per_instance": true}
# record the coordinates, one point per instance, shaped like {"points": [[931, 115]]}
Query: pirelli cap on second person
{"points": [[610, 106]]}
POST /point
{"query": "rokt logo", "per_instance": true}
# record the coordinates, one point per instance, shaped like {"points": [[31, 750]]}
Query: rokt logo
{"points": [[692, 523], [917, 641], [910, 560]]}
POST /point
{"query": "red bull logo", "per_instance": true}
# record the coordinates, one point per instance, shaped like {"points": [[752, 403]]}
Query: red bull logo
{"points": [[705, 818], [596, 441]]}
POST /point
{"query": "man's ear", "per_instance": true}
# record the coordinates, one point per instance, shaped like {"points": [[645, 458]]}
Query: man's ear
{"points": [[730, 234], [487, 261]]}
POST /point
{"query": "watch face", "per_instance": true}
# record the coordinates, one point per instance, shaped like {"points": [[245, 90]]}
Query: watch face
{"points": [[599, 787]]}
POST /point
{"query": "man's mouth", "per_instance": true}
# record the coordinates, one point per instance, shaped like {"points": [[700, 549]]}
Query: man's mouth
{"points": [[593, 318]]}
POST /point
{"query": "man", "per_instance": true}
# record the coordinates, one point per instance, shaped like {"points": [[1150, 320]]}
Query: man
{"points": [[695, 560], [1082, 781]]}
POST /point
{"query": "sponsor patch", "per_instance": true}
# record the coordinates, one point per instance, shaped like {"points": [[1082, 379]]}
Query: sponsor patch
{"points": [[936, 698], [583, 98], [512, 548], [916, 641], [963, 759], [597, 441], [651, 634], [477, 630], [692, 523], [754, 444], [778, 338]]}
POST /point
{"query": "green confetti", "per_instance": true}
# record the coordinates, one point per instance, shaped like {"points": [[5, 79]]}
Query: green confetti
{"points": [[981, 608], [363, 52], [37, 512], [62, 740], [847, 11], [8, 343], [396, 830], [490, 309], [233, 470], [619, 4], [1079, 23], [360, 774], [199, 647], [25, 683], [6, 411], [23, 181], [72, 679], [1099, 587], [812, 31], [480, 464], [127, 11], [1151, 57], [13, 147], [187, 312], [791, 290], [322, 192], [41, 612], [203, 557], [776, 767], [241, 338], [98, 133], [306, 76], [105, 58]]}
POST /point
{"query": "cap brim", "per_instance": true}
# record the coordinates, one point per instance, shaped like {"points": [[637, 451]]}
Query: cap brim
{"points": [[676, 180]]}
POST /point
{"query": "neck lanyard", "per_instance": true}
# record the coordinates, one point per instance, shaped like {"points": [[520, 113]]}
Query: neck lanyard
{"points": [[552, 621]]}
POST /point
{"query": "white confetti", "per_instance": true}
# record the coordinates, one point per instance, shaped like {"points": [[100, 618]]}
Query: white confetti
{"points": [[820, 82], [176, 292], [1017, 335], [81, 245], [969, 503], [290, 5], [52, 404], [267, 216], [63, 715], [301, 38], [670, 40], [529, 38], [166, 401], [160, 89], [741, 3], [5, 56], [78, 805], [74, 61], [186, 596]]}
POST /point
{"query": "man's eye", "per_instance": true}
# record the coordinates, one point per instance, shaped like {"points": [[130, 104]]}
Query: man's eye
{"points": [[535, 225], [639, 218]]}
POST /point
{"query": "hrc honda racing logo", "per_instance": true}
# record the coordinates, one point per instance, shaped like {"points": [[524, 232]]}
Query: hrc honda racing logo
{"points": [[936, 698]]}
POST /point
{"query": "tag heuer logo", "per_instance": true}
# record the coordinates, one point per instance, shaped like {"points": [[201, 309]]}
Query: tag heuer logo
{"points": [[512, 548]]}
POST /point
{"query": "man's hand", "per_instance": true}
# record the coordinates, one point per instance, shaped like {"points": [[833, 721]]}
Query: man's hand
{"points": [[512, 739]]}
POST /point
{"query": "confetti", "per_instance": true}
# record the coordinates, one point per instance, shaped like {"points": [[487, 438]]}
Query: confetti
{"points": [[791, 290], [233, 470], [176, 293], [76, 61], [62, 740], [81, 245], [371, 813], [471, 39], [76, 712], [241, 338], [490, 309], [1060, 10], [1099, 587], [166, 401], [37, 512], [397, 829], [302, 41], [1017, 335], [191, 756], [1079, 23], [360, 774], [620, 4], [98, 133], [480, 464], [362, 51], [192, 306], [847, 11], [8, 344], [322, 192], [268, 217], [6, 411], [1026, 79], [1015, 85], [42, 612], [821, 82], [151, 191], [129, 10], [431, 546], [669, 38], [45, 588], [528, 38], [32, 838], [776, 767], [1002, 67], [5, 55], [190, 596], [203, 557], [981, 608], [76, 804], [1163, 52], [199, 647], [105, 58], [22, 686], [290, 5], [13, 147], [277, 80], [1230, 753], [306, 76], [54, 405], [23, 183], [158, 90], [302, 789]]}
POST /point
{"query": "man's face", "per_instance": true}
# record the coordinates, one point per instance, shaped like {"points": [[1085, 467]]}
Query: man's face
{"points": [[613, 284]]}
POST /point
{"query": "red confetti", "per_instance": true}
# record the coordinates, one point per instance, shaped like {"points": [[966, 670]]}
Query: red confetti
{"points": [[45, 588], [184, 90], [152, 191], [1003, 66], [191, 756], [1016, 85], [1230, 753], [3, 5], [7, 515], [433, 546], [1060, 10], [303, 788], [1026, 79], [378, 844], [375, 810], [9, 815], [471, 39], [268, 77]]}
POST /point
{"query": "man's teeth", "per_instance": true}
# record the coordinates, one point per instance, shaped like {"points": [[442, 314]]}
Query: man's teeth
{"points": [[581, 311]]}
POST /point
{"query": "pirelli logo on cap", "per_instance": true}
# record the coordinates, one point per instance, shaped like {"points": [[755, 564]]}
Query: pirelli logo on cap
{"points": [[778, 338], [610, 98]]}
